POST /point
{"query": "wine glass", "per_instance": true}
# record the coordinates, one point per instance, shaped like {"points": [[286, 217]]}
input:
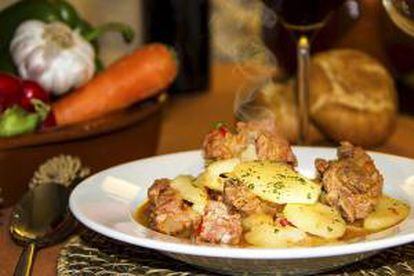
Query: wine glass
{"points": [[401, 13], [303, 18]]}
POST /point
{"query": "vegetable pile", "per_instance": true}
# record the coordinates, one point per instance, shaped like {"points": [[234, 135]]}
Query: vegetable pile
{"points": [[24, 106], [51, 74]]}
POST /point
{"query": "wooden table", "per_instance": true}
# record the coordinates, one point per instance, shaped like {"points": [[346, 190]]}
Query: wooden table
{"points": [[187, 119]]}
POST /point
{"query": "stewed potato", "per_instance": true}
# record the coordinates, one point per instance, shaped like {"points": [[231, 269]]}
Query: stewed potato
{"points": [[210, 178], [196, 195], [256, 220], [266, 235], [388, 212], [264, 232], [317, 219], [276, 182]]}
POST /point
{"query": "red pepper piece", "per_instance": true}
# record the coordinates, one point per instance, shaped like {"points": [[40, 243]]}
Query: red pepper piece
{"points": [[223, 131], [284, 222], [31, 90], [10, 91], [49, 122]]}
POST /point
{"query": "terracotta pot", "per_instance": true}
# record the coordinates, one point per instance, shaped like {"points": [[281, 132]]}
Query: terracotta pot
{"points": [[119, 137]]}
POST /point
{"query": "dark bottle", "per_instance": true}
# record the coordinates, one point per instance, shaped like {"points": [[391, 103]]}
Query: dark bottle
{"points": [[182, 24]]}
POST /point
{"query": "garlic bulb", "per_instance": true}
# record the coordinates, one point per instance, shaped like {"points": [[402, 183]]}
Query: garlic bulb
{"points": [[53, 55]]}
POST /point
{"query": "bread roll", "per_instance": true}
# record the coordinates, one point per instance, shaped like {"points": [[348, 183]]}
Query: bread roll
{"points": [[352, 97]]}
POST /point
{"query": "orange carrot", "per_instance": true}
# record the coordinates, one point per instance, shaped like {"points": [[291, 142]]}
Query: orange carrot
{"points": [[134, 77]]}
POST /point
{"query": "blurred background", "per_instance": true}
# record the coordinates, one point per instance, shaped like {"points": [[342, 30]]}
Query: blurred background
{"points": [[246, 29], [238, 61]]}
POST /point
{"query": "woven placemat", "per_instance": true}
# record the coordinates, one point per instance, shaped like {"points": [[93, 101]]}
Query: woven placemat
{"points": [[93, 254]]}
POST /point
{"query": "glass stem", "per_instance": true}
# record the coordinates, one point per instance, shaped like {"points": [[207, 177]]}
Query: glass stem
{"points": [[303, 52]]}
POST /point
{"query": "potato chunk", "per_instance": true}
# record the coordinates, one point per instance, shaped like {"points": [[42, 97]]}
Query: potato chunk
{"points": [[256, 219], [210, 178], [266, 235], [276, 182], [388, 212], [196, 195], [317, 219]]}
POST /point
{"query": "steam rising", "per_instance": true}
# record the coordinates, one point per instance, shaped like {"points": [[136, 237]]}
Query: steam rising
{"points": [[246, 108], [269, 17], [237, 36]]}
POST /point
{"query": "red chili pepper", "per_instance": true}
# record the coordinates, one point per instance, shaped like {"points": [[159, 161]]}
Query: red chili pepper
{"points": [[199, 229], [223, 131], [31, 90], [49, 122], [10, 91], [284, 222]]}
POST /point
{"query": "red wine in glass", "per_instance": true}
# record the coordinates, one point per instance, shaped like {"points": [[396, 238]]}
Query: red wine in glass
{"points": [[303, 15], [303, 18]]}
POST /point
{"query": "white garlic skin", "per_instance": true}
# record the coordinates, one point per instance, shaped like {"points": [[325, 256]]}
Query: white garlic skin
{"points": [[53, 55]]}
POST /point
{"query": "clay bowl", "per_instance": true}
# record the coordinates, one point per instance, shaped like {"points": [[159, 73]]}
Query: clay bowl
{"points": [[116, 138]]}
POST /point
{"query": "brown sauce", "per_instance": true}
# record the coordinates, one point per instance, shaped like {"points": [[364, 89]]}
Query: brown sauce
{"points": [[141, 215], [353, 231]]}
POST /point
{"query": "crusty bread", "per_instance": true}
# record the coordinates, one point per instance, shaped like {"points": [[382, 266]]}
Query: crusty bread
{"points": [[352, 97]]}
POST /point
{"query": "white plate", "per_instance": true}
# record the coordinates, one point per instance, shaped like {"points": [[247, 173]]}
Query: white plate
{"points": [[107, 207]]}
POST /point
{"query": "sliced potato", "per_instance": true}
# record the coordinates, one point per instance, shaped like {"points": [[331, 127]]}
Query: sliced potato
{"points": [[317, 219], [210, 178], [276, 182], [196, 195], [266, 235], [388, 212], [256, 220]]}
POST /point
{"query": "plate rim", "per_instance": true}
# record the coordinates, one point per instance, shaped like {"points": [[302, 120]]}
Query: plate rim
{"points": [[236, 252]]}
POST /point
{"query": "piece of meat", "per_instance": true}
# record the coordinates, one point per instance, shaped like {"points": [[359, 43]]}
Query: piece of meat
{"points": [[221, 144], [220, 225], [240, 197], [269, 143], [352, 183], [261, 136], [169, 213]]}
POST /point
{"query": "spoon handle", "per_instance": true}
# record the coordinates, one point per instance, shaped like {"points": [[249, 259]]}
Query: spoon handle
{"points": [[24, 266]]}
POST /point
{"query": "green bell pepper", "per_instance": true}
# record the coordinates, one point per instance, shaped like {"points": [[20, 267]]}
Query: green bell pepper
{"points": [[15, 121], [50, 11]]}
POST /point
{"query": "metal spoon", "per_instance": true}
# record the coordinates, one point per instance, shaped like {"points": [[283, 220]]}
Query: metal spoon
{"points": [[41, 218]]}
